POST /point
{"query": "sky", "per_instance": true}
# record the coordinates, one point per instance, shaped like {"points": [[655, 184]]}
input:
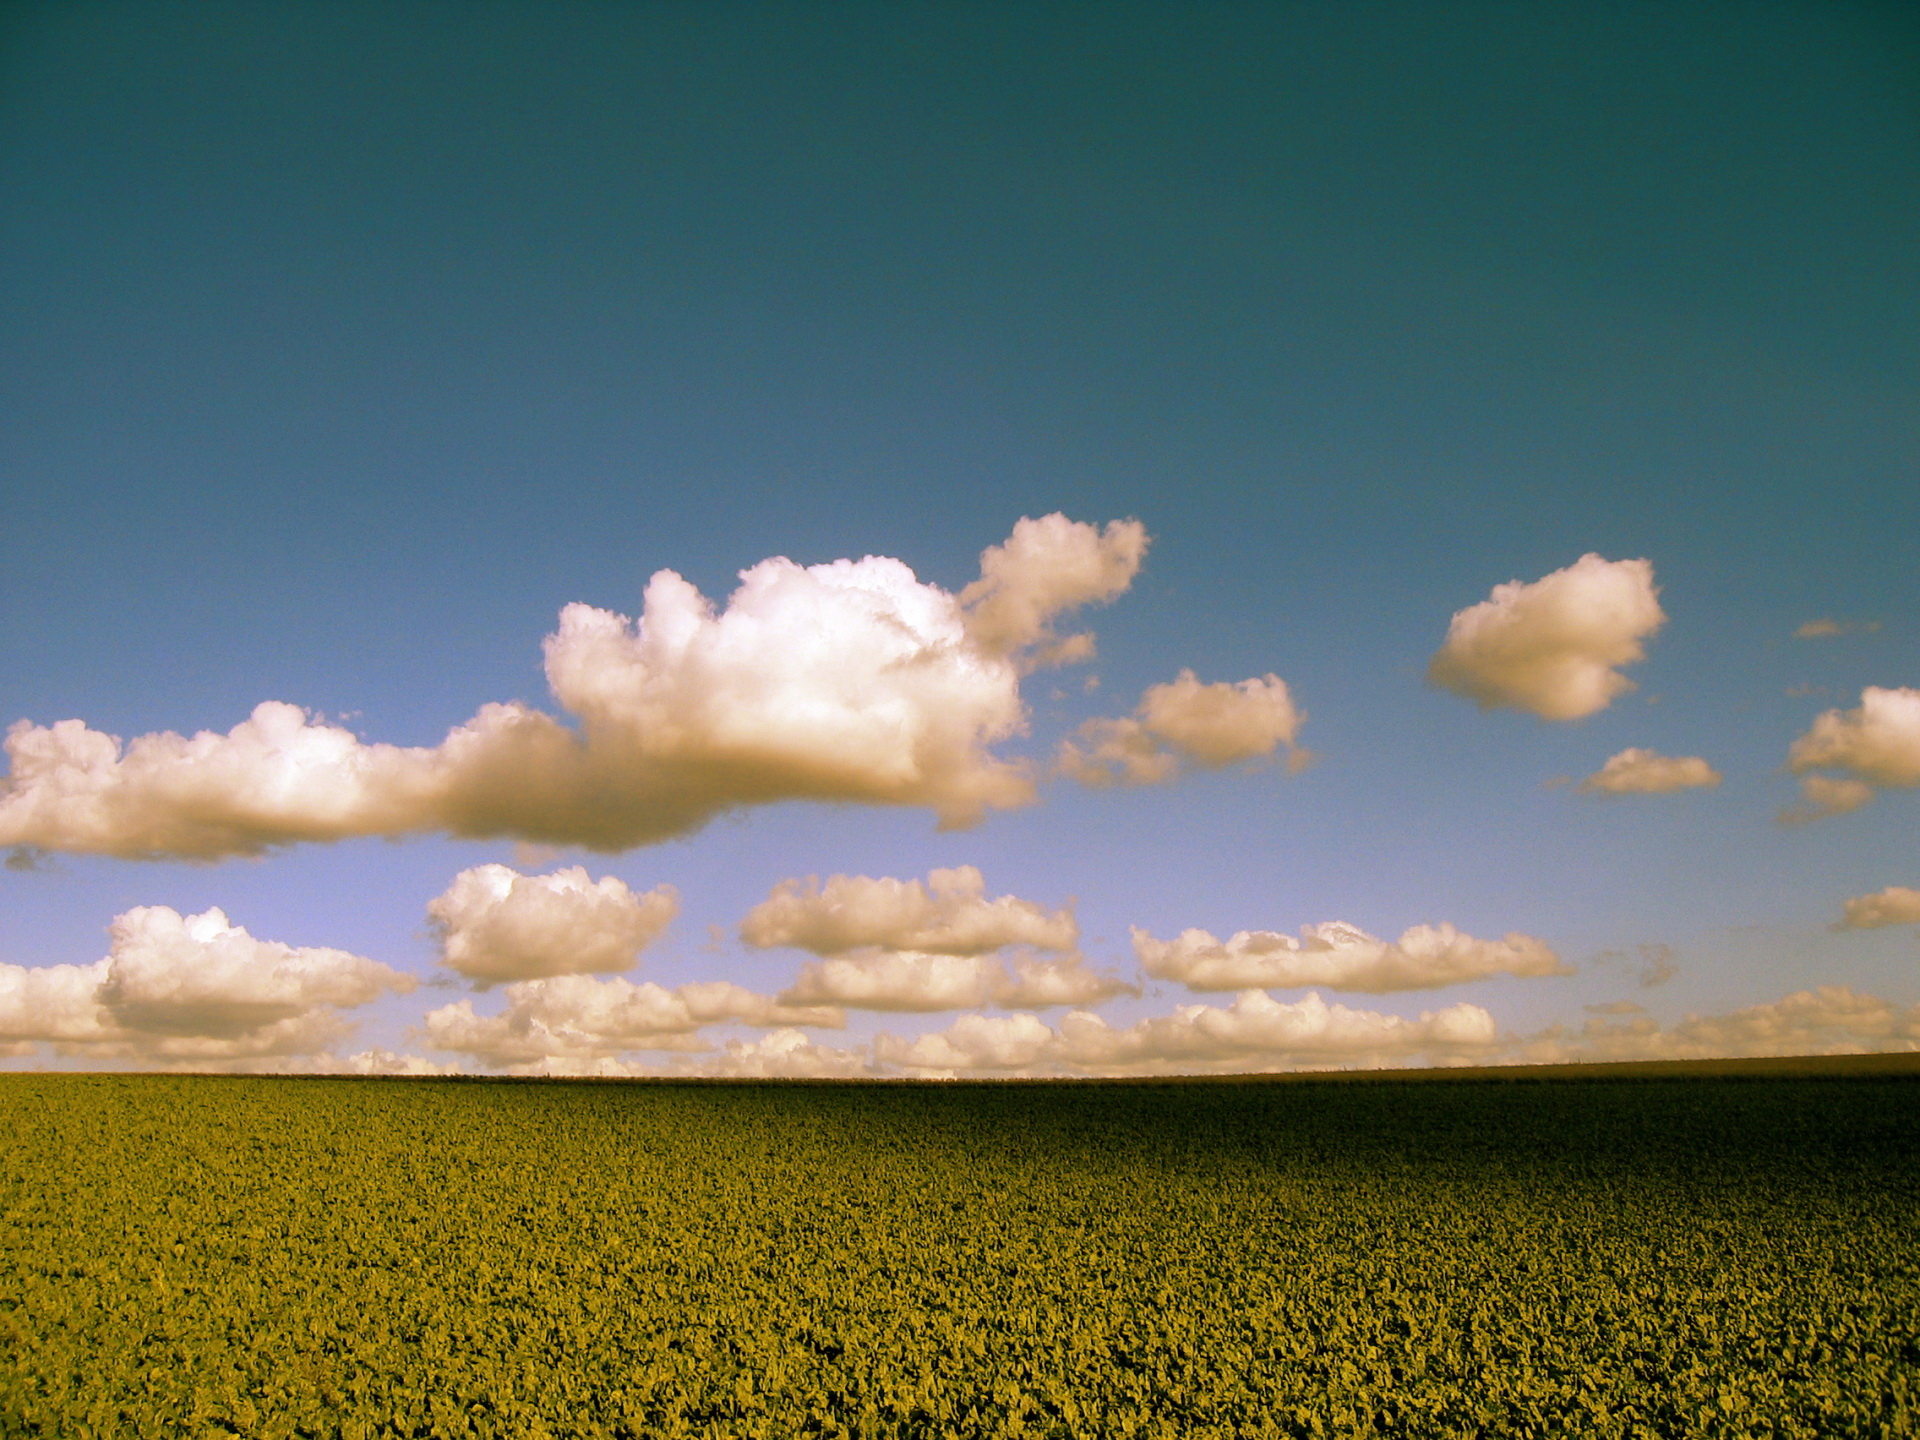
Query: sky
{"points": [[1480, 445]]}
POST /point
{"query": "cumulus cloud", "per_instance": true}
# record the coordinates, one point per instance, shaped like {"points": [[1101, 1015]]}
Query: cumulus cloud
{"points": [[947, 914], [911, 981], [1552, 647], [1255, 1032], [785, 1054], [1045, 569], [1647, 772], [1875, 746], [1185, 723], [1895, 905], [496, 924], [576, 1018], [1819, 630], [178, 989], [851, 681], [1341, 957]]}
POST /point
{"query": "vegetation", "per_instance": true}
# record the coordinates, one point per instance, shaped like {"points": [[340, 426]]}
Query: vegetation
{"points": [[274, 1257]]}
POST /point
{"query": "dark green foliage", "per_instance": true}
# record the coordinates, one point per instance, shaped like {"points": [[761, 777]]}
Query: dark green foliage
{"points": [[424, 1258]]}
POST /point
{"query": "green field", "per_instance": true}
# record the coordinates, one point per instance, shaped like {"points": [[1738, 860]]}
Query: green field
{"points": [[201, 1256]]}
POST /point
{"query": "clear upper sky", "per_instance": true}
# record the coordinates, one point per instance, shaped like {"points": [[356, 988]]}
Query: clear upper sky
{"points": [[346, 344]]}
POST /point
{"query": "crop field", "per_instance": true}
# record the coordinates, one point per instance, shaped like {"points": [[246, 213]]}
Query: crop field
{"points": [[276, 1257]]}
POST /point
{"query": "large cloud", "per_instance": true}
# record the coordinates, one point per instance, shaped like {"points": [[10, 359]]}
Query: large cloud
{"points": [[1552, 647], [496, 924], [852, 681], [1874, 746], [1185, 723], [176, 989], [1341, 957], [947, 914], [908, 980], [1255, 1032], [1647, 772], [1895, 905], [579, 1018]]}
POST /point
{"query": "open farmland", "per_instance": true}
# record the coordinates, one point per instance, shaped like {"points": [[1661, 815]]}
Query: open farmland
{"points": [[198, 1256]]}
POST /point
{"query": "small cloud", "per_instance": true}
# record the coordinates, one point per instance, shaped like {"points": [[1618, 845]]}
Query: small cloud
{"points": [[528, 856], [1802, 690], [1185, 723], [1638, 771], [1895, 905], [1819, 630], [1875, 746], [1341, 957], [1616, 1007], [496, 924], [28, 859], [1658, 965]]}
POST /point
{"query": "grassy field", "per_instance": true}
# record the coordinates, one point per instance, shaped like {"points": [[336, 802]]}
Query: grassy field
{"points": [[1595, 1256]]}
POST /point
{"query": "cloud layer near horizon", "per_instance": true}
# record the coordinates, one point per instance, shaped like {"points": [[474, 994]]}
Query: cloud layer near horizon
{"points": [[177, 989], [1552, 647], [1341, 957], [851, 681]]}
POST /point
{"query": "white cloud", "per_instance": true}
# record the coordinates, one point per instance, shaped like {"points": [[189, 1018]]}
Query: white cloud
{"points": [[1895, 905], [948, 914], [1819, 630], [1552, 647], [1647, 772], [1185, 723], [1255, 1032], [178, 989], [496, 924], [1874, 746], [1341, 957], [910, 981], [579, 1018], [851, 681]]}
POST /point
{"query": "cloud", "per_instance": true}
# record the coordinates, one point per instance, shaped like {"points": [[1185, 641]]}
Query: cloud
{"points": [[948, 914], [787, 1054], [910, 981], [1646, 772], [1341, 957], [851, 681], [1875, 746], [1895, 905], [1255, 1032], [177, 989], [1185, 723], [1832, 1020], [579, 1018], [1047, 568], [1819, 630], [1552, 647], [496, 924]]}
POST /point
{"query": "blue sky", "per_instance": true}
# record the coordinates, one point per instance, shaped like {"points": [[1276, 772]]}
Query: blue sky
{"points": [[348, 345]]}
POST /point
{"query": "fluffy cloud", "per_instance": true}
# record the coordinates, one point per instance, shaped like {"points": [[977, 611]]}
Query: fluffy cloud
{"points": [[1045, 569], [787, 1054], [1875, 746], [1255, 1032], [851, 681], [948, 914], [496, 924], [1341, 957], [910, 981], [578, 1018], [1895, 905], [1647, 772], [1552, 647], [1185, 723], [177, 989]]}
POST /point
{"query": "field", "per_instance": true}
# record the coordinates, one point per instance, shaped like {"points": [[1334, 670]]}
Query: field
{"points": [[1602, 1256]]}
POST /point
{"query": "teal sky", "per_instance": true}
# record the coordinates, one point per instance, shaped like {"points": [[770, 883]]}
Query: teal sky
{"points": [[349, 343]]}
